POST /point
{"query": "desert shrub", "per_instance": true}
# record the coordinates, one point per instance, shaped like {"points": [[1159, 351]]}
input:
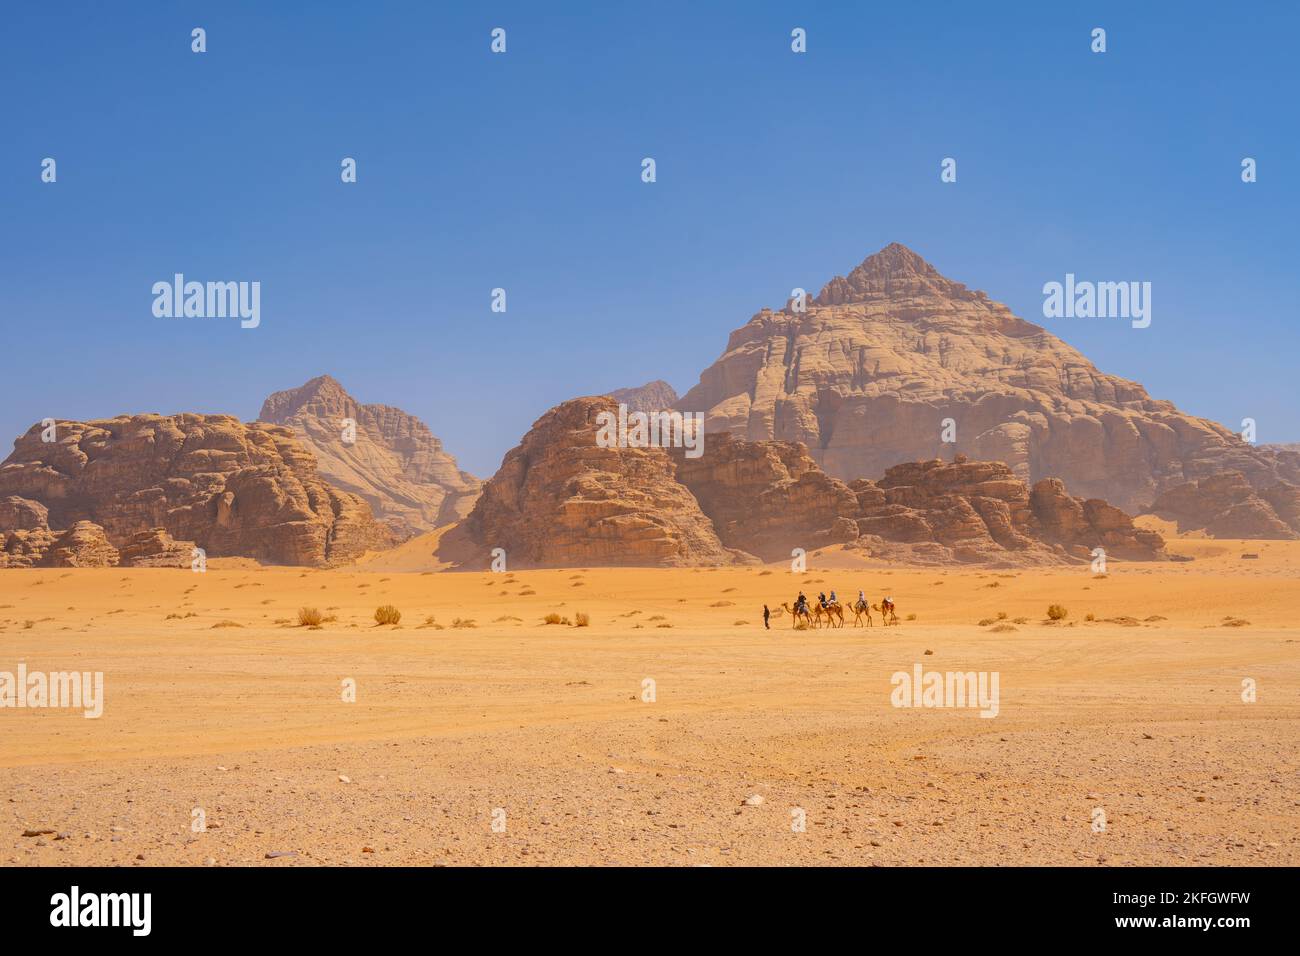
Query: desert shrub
{"points": [[1002, 615], [985, 622], [581, 620], [1003, 628], [1090, 617], [387, 614], [1056, 612], [657, 617], [1020, 620], [910, 617], [722, 604], [309, 617], [552, 618], [463, 622], [227, 624]]}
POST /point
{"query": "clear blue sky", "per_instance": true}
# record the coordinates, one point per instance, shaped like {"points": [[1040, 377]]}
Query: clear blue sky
{"points": [[523, 171]]}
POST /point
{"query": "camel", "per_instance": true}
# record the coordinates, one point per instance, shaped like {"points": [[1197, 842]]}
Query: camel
{"points": [[832, 613], [888, 615], [797, 616], [860, 609]]}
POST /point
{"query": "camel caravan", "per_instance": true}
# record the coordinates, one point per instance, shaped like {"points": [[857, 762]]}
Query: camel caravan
{"points": [[829, 612]]}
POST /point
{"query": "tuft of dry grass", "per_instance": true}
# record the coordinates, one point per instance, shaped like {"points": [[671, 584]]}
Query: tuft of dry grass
{"points": [[554, 618], [1056, 612], [309, 617], [463, 622], [387, 614], [1003, 628], [225, 624], [581, 619]]}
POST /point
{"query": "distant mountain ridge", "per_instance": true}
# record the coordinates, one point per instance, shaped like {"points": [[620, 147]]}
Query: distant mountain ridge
{"points": [[394, 461], [884, 358]]}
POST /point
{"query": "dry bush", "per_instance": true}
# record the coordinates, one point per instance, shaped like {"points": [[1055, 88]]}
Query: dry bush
{"points": [[1056, 612], [387, 614], [309, 617], [226, 624], [1003, 628], [463, 622], [580, 619], [722, 604], [552, 618], [985, 622]]}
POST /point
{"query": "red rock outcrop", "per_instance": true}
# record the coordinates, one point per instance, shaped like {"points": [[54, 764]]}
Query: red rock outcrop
{"points": [[1226, 506], [560, 500], [84, 545], [234, 489], [393, 462], [866, 376], [155, 548], [766, 498]]}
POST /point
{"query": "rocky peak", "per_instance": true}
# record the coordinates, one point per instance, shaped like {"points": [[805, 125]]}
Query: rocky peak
{"points": [[394, 461]]}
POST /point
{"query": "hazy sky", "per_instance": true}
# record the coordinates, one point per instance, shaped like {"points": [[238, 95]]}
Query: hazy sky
{"points": [[522, 171]]}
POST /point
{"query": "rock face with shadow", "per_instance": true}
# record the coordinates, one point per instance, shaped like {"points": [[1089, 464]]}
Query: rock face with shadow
{"points": [[390, 458], [233, 489]]}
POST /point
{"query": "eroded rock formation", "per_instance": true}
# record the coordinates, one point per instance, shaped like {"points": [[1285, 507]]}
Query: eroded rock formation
{"points": [[392, 461], [234, 489], [866, 376]]}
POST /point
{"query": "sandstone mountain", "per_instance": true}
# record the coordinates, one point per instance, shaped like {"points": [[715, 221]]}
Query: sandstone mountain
{"points": [[395, 463], [867, 374], [560, 500], [650, 397], [129, 486], [1226, 506]]}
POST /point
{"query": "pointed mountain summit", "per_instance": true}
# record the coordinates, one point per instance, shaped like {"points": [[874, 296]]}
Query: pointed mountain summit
{"points": [[891, 360], [394, 461]]}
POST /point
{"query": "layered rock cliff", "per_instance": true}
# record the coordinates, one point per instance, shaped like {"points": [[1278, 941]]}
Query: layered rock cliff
{"points": [[561, 500], [868, 374], [233, 489]]}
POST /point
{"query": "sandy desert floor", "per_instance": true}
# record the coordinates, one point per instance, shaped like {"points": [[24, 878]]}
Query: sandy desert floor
{"points": [[543, 728]]}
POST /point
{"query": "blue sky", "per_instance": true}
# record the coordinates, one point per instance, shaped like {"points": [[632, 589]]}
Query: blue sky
{"points": [[522, 171]]}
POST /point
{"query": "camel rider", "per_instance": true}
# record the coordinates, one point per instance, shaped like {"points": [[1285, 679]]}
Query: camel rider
{"points": [[833, 601], [801, 602], [888, 604], [821, 597], [862, 598]]}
